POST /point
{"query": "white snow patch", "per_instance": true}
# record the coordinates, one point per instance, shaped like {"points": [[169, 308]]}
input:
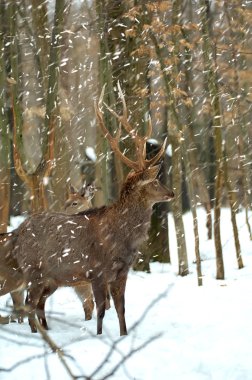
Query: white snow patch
{"points": [[153, 141], [169, 150], [90, 152], [206, 331]]}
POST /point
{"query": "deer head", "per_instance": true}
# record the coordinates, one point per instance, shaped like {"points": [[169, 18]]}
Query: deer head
{"points": [[143, 176], [79, 200]]}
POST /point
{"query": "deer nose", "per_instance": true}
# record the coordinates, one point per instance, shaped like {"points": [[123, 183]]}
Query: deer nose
{"points": [[172, 195]]}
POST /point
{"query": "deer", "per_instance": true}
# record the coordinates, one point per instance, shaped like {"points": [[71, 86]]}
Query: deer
{"points": [[80, 200], [97, 245], [77, 200]]}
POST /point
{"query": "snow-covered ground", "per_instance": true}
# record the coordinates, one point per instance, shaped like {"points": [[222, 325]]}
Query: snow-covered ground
{"points": [[196, 333]]}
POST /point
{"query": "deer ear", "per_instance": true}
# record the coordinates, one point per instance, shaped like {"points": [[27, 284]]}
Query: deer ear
{"points": [[151, 173], [72, 190]]}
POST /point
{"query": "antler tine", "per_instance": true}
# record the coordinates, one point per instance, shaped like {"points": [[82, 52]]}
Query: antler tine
{"points": [[123, 119], [101, 123], [149, 131], [113, 112], [140, 141], [114, 141], [155, 159], [125, 112]]}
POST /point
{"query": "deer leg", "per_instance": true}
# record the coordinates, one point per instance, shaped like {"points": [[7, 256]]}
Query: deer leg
{"points": [[107, 305], [18, 306], [117, 289], [85, 294], [100, 292], [32, 299], [40, 311]]}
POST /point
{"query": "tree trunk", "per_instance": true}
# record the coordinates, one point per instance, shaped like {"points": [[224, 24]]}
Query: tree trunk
{"points": [[108, 169], [4, 144], [212, 82], [233, 208], [40, 34], [159, 233], [177, 205], [174, 133], [37, 180], [244, 151], [197, 175]]}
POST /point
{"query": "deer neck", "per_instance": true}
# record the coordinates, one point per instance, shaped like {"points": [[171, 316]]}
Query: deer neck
{"points": [[133, 218]]}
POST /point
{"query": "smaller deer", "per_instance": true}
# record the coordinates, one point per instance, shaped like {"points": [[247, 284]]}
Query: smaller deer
{"points": [[77, 201]]}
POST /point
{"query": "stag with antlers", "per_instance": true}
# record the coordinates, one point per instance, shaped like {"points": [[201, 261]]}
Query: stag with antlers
{"points": [[98, 245]]}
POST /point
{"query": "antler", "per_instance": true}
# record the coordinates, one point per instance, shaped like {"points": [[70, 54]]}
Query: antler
{"points": [[114, 141], [140, 141]]}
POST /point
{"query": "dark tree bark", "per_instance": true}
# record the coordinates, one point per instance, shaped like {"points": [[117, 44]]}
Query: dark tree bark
{"points": [[4, 141], [35, 181], [212, 83], [244, 151], [107, 163]]}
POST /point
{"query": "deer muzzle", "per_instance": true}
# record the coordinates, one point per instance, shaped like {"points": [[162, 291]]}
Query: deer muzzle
{"points": [[170, 195]]}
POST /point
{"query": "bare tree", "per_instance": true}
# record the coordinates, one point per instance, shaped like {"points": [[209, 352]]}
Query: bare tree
{"points": [[37, 179], [4, 138], [211, 76]]}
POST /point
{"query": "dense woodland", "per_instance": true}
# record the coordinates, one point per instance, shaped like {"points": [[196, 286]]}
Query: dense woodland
{"points": [[184, 64]]}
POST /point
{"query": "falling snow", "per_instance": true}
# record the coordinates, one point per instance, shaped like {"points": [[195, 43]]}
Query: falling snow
{"points": [[184, 69]]}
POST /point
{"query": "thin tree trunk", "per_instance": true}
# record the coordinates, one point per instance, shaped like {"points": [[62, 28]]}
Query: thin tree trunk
{"points": [[174, 135], [40, 27], [210, 69], [177, 205], [243, 147], [4, 144], [198, 178], [107, 165], [233, 208], [189, 169], [159, 233]]}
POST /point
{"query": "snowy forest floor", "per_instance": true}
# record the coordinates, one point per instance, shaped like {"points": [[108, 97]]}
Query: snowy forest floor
{"points": [[194, 333]]}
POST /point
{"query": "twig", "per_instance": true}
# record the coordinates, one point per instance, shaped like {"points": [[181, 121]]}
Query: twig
{"points": [[131, 353], [133, 327], [56, 349]]}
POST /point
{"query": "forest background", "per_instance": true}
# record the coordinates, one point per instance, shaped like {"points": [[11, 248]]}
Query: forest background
{"points": [[184, 65]]}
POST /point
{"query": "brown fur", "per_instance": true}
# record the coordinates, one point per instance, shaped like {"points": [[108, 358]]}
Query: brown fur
{"points": [[79, 201], [76, 201], [11, 277], [98, 246], [10, 274]]}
